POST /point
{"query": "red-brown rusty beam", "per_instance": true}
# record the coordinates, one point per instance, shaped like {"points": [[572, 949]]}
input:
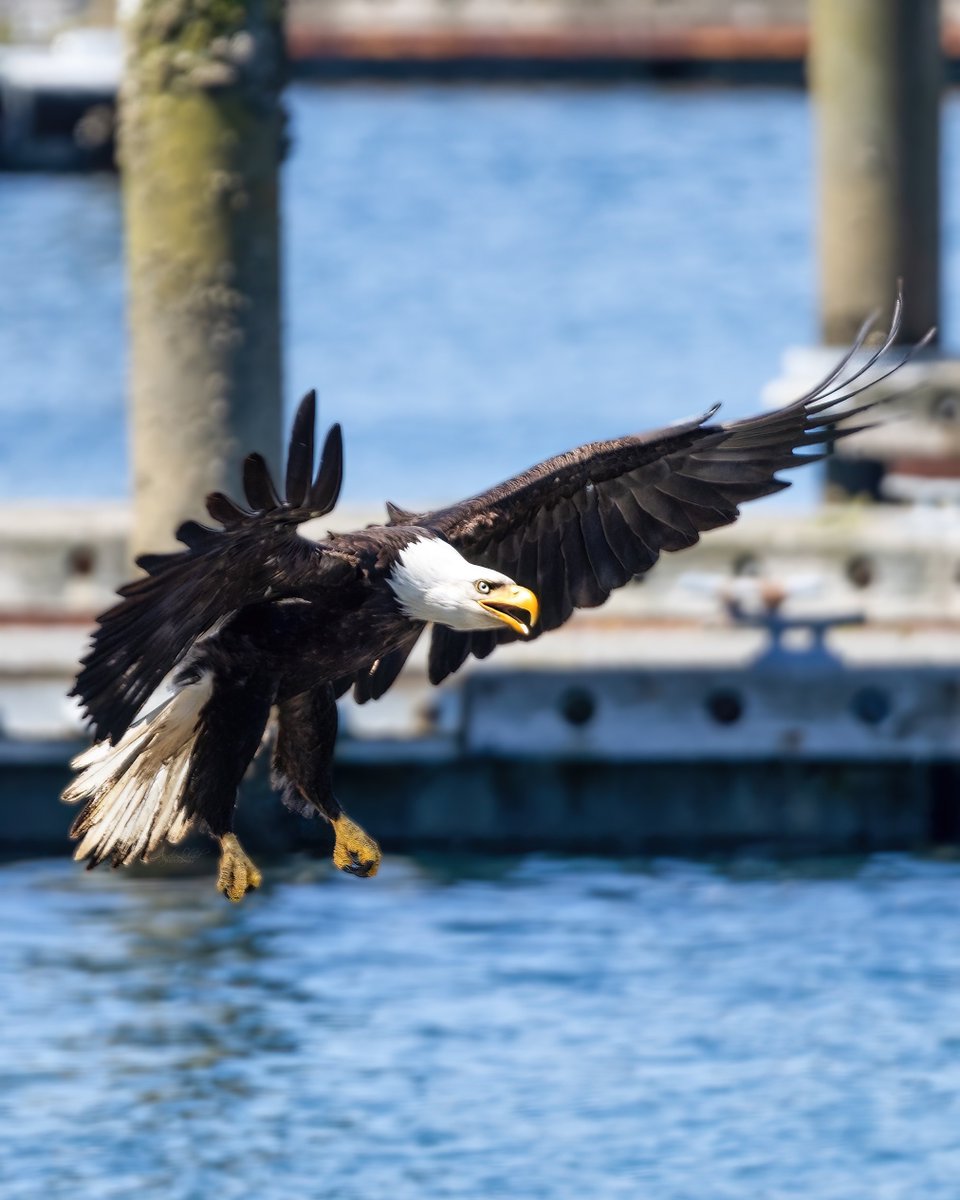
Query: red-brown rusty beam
{"points": [[784, 43]]}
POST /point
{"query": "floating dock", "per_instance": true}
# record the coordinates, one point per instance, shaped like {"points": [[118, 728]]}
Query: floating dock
{"points": [[664, 722]]}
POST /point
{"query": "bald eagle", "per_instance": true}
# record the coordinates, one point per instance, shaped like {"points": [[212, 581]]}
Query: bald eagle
{"points": [[268, 613]]}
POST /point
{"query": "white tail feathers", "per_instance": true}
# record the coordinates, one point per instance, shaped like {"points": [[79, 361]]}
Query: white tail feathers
{"points": [[135, 787]]}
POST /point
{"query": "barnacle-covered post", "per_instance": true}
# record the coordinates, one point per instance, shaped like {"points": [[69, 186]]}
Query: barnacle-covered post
{"points": [[201, 138]]}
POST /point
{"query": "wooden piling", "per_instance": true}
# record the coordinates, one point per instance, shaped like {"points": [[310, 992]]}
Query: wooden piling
{"points": [[876, 72], [201, 134]]}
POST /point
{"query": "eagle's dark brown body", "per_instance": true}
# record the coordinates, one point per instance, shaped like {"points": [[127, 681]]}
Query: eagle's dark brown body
{"points": [[253, 616]]}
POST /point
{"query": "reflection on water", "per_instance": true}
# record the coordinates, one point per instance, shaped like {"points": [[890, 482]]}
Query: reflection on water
{"points": [[524, 1028]]}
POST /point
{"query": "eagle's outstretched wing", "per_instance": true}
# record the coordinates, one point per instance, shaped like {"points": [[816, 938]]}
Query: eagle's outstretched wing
{"points": [[255, 555], [578, 526]]}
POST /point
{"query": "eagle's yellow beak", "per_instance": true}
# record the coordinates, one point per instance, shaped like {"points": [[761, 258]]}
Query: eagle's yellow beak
{"points": [[506, 603]]}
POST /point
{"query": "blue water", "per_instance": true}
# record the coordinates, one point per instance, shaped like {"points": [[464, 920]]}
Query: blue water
{"points": [[532, 1029], [474, 279]]}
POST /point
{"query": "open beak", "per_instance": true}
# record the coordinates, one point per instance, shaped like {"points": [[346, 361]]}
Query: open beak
{"points": [[515, 606]]}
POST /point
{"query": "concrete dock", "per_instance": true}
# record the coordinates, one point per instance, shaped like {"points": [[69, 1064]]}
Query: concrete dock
{"points": [[654, 724]]}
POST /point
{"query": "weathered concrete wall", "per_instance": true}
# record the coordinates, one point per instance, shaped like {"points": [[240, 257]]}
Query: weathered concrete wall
{"points": [[789, 708]]}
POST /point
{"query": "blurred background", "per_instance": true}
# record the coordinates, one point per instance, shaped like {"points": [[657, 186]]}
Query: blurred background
{"points": [[670, 896]]}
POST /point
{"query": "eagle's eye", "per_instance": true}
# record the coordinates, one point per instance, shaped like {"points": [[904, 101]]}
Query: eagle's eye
{"points": [[483, 587]]}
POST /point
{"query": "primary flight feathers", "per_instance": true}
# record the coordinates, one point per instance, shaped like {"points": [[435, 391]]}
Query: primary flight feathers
{"points": [[571, 529]]}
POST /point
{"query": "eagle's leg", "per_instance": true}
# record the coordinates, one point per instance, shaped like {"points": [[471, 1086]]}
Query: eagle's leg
{"points": [[303, 772], [228, 736]]}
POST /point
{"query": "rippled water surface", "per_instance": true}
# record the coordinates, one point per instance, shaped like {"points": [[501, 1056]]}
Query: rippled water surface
{"points": [[487, 1028]]}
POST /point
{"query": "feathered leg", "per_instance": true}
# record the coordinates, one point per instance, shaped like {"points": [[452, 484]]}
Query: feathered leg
{"points": [[303, 772], [230, 729]]}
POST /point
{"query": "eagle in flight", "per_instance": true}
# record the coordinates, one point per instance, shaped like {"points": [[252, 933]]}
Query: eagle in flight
{"points": [[267, 613]]}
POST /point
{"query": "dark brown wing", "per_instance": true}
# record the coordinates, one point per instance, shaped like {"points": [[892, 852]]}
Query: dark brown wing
{"points": [[256, 555], [371, 683], [578, 526]]}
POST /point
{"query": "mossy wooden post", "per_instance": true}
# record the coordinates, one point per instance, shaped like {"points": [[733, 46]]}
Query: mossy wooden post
{"points": [[876, 74], [201, 137]]}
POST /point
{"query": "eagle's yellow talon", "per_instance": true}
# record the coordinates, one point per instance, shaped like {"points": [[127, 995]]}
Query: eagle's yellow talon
{"points": [[237, 874], [355, 851]]}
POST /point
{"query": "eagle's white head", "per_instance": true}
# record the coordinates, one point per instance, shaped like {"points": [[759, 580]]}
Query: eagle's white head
{"points": [[434, 582]]}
